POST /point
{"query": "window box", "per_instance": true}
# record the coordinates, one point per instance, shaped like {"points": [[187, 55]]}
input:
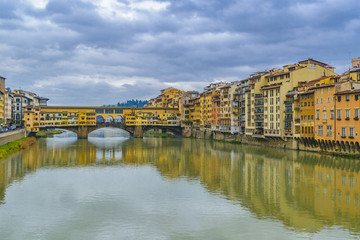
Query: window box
{"points": [[347, 118], [338, 118], [351, 137], [347, 100], [343, 136], [356, 118]]}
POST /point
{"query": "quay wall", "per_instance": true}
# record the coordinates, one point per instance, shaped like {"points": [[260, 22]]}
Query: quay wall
{"points": [[12, 136], [299, 144]]}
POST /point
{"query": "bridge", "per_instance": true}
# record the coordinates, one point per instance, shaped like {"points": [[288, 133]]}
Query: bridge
{"points": [[84, 120]]}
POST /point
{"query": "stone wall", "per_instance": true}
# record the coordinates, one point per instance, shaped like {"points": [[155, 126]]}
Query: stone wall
{"points": [[12, 136], [293, 144]]}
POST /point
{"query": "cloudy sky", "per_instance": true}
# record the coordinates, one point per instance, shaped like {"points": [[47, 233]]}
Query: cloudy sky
{"points": [[94, 52]]}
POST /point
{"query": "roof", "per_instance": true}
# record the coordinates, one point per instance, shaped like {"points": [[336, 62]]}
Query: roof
{"points": [[42, 98], [307, 92], [348, 92], [324, 85], [226, 86], [310, 59], [277, 74], [270, 87]]}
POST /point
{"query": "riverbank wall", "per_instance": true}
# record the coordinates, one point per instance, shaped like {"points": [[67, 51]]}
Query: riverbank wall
{"points": [[310, 145], [12, 136]]}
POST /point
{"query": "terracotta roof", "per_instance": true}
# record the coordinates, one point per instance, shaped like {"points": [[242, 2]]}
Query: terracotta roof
{"points": [[307, 92], [322, 86], [226, 86], [348, 92], [277, 74], [273, 86]]}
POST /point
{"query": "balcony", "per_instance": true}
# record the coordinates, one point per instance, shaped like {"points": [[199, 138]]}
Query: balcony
{"points": [[297, 119], [297, 108], [259, 112], [259, 119], [288, 110], [258, 96], [259, 103], [324, 121]]}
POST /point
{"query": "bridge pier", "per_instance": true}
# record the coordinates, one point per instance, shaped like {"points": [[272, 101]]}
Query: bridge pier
{"points": [[138, 132], [82, 132]]}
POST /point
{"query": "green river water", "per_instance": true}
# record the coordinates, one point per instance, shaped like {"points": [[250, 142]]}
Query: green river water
{"points": [[115, 187]]}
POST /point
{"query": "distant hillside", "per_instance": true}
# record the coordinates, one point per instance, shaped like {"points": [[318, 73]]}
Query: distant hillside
{"points": [[129, 103]]}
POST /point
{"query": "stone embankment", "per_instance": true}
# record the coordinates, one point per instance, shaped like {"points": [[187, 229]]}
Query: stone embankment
{"points": [[12, 136], [289, 143]]}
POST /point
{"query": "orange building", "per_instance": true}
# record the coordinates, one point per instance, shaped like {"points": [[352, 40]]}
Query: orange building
{"points": [[347, 115]]}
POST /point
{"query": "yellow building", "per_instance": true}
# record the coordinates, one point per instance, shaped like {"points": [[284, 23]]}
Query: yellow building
{"points": [[279, 83]]}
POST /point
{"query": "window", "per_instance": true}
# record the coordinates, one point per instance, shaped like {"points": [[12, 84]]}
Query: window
{"points": [[356, 97], [321, 100], [347, 112], [324, 115], [351, 132], [328, 89], [328, 99], [339, 98], [339, 114], [347, 97], [356, 113], [343, 132], [331, 115], [320, 130], [328, 130], [321, 90], [317, 116]]}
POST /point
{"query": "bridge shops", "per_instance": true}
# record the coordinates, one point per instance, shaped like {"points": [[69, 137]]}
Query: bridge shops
{"points": [[83, 120]]}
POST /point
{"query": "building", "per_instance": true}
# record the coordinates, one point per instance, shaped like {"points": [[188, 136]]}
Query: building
{"points": [[355, 63], [279, 82], [347, 114], [22, 99]]}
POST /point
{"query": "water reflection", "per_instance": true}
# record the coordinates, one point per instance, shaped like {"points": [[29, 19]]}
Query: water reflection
{"points": [[305, 191]]}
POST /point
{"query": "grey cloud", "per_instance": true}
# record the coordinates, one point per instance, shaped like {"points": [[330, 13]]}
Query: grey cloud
{"points": [[190, 43]]}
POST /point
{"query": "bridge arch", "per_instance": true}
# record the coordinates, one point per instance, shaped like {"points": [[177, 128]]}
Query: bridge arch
{"points": [[118, 119], [100, 119], [90, 130], [109, 119]]}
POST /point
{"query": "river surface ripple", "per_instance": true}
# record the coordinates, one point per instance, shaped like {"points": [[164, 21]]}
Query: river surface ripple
{"points": [[115, 187]]}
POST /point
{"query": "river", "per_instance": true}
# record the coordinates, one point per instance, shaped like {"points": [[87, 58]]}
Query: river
{"points": [[115, 187]]}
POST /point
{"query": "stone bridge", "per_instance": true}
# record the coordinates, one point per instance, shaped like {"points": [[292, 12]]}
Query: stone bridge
{"points": [[135, 131]]}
